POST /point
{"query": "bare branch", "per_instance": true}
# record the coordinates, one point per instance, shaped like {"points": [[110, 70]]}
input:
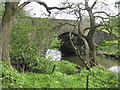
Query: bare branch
{"points": [[101, 17], [102, 12], [45, 5], [106, 13], [116, 15], [94, 4], [22, 5], [50, 8]]}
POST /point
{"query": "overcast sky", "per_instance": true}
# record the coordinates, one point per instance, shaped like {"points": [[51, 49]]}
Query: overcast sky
{"points": [[37, 10]]}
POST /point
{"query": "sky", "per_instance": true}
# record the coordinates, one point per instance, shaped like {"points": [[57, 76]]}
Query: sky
{"points": [[36, 10]]}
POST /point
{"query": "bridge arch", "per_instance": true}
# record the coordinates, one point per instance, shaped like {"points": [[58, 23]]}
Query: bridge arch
{"points": [[66, 47]]}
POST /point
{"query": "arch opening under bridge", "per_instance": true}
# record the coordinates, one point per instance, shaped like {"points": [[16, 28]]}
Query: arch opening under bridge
{"points": [[66, 48]]}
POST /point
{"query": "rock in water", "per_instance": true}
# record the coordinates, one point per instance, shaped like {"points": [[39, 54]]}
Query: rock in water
{"points": [[54, 55], [115, 69]]}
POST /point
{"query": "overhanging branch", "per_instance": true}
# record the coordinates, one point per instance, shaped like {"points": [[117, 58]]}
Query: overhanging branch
{"points": [[44, 4]]}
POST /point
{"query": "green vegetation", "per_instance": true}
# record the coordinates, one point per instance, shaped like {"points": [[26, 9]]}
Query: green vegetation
{"points": [[45, 66], [108, 47], [28, 46], [113, 46], [30, 70], [98, 78]]}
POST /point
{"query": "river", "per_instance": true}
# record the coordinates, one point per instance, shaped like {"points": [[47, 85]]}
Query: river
{"points": [[106, 62]]}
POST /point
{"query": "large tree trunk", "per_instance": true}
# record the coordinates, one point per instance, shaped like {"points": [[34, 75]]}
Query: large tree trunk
{"points": [[92, 52], [7, 23]]}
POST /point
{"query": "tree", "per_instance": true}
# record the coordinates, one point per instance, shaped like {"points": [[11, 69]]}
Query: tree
{"points": [[94, 13], [11, 10], [89, 38]]}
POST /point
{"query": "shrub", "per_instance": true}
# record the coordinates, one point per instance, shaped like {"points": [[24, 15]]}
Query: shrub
{"points": [[22, 47], [42, 65]]}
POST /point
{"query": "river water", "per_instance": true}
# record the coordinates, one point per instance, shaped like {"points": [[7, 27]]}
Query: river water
{"points": [[106, 62]]}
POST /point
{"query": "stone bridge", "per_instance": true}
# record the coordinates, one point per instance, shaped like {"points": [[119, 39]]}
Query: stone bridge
{"points": [[62, 27]]}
